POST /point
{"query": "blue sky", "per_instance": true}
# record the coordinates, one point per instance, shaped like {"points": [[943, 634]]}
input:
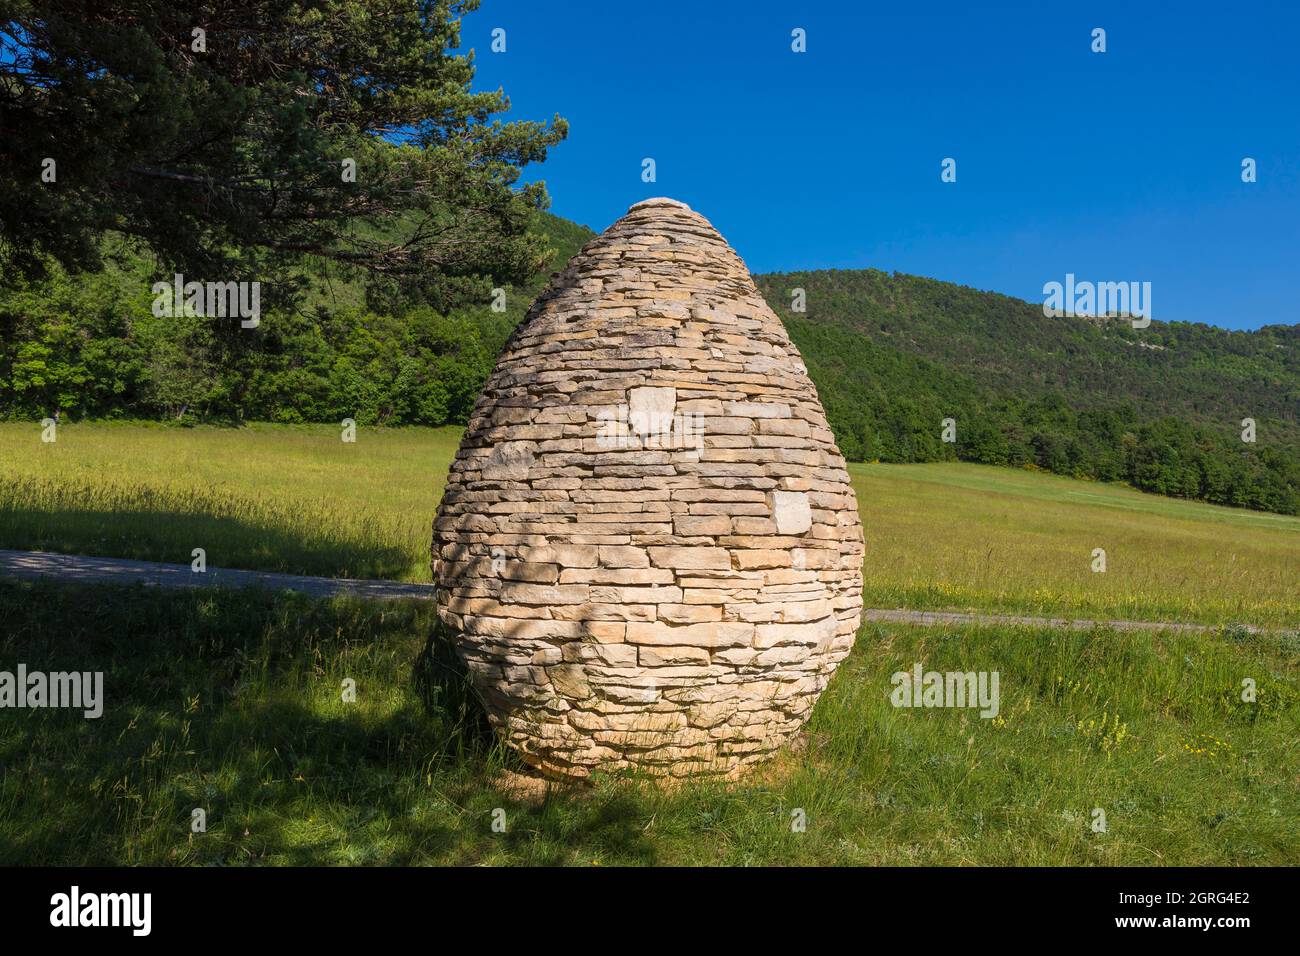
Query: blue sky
{"points": [[1117, 166]]}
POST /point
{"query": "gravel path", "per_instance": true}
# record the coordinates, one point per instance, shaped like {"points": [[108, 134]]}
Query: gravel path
{"points": [[76, 568], [30, 565]]}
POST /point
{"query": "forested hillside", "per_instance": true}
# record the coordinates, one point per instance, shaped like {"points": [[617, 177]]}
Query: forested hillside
{"points": [[90, 346], [1160, 407], [892, 357]]}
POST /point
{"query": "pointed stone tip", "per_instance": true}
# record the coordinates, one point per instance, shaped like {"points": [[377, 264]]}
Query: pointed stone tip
{"points": [[658, 201]]}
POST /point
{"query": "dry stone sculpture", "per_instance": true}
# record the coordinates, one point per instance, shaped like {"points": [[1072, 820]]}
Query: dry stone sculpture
{"points": [[648, 545]]}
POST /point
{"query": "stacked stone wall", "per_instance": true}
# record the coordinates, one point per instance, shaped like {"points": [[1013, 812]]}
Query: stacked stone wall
{"points": [[648, 545]]}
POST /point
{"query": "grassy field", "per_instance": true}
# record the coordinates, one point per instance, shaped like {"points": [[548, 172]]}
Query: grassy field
{"points": [[265, 497], [231, 702], [974, 536], [955, 536]]}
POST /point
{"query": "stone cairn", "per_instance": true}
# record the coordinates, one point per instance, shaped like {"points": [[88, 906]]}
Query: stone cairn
{"points": [[648, 546]]}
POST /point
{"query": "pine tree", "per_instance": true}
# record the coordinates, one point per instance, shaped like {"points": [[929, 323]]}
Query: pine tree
{"points": [[225, 136]]}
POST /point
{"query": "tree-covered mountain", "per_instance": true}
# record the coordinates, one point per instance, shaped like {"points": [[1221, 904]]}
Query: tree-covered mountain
{"points": [[1160, 407], [343, 345], [892, 357]]}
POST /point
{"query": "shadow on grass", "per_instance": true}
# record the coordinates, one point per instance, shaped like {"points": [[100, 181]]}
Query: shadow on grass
{"points": [[230, 702], [171, 535], [442, 682], [611, 825]]}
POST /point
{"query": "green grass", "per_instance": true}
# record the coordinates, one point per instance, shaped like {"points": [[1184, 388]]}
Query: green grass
{"points": [[957, 536], [964, 536], [230, 701], [295, 499]]}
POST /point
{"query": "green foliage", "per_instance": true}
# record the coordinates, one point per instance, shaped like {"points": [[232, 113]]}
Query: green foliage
{"points": [[1160, 408], [892, 356], [228, 152], [90, 346]]}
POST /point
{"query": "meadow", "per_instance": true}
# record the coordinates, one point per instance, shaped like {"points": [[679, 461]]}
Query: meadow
{"points": [[939, 536], [955, 535], [296, 499], [231, 703]]}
